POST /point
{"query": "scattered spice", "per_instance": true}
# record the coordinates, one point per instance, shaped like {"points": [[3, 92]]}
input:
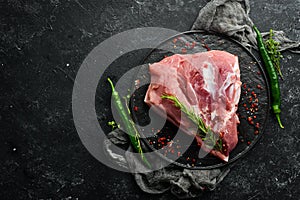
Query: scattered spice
{"points": [[257, 125], [259, 86], [206, 46], [193, 45], [258, 73], [251, 106]]}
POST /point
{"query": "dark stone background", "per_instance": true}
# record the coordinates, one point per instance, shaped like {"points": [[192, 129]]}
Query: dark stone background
{"points": [[43, 43]]}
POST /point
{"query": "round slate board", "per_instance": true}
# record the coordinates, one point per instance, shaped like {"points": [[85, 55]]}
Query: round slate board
{"points": [[253, 108]]}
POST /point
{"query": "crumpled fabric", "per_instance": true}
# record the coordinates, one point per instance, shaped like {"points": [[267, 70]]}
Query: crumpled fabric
{"points": [[228, 17], [231, 18], [183, 183]]}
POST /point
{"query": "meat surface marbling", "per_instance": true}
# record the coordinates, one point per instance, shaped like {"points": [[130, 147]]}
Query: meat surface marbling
{"points": [[207, 83]]}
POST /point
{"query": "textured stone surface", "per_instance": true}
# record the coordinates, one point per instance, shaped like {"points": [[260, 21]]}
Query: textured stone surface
{"points": [[43, 43]]}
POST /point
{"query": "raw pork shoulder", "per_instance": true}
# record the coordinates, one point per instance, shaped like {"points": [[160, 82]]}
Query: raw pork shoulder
{"points": [[207, 83]]}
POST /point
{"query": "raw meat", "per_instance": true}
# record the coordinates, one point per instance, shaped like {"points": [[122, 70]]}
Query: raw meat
{"points": [[207, 83]]}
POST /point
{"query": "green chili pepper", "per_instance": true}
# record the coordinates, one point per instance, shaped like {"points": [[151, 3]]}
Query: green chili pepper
{"points": [[275, 89], [128, 123]]}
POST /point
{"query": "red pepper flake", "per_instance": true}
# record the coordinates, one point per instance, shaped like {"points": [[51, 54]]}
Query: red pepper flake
{"points": [[221, 134], [245, 105], [206, 47], [175, 40], [188, 158], [250, 99], [172, 151], [169, 144], [254, 105], [256, 132], [244, 86], [183, 50], [178, 154], [254, 117], [135, 108], [137, 82], [150, 143], [258, 73], [259, 86], [193, 45], [193, 160], [187, 44], [250, 119], [257, 125], [248, 89], [248, 143]]}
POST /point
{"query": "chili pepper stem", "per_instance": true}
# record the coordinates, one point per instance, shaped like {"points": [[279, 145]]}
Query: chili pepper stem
{"points": [[111, 84], [279, 121]]}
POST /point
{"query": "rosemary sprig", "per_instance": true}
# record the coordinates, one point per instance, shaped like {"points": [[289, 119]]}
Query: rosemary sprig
{"points": [[275, 55], [210, 139]]}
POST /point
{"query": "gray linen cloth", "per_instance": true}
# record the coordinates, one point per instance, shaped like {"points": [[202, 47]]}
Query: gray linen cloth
{"points": [[183, 183], [229, 17]]}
